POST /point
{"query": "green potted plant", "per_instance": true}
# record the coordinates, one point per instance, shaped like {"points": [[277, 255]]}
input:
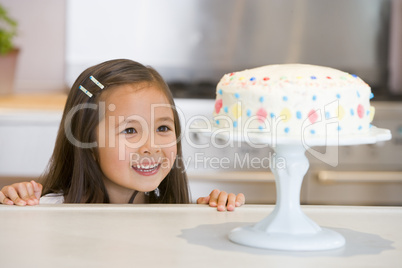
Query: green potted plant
{"points": [[8, 52]]}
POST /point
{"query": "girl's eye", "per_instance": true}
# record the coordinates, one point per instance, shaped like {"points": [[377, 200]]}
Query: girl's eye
{"points": [[163, 129], [129, 130]]}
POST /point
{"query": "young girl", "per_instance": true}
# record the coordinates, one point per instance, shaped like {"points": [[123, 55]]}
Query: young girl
{"points": [[118, 142]]}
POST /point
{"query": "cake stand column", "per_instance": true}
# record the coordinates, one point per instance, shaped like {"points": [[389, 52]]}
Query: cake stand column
{"points": [[290, 167], [287, 227]]}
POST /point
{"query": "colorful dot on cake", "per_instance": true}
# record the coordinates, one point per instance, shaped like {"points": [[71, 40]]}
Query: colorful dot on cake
{"points": [[299, 77], [283, 78], [286, 115], [249, 113], [261, 99], [353, 75], [358, 94], [298, 115], [285, 98], [338, 96], [262, 114], [260, 128], [371, 95], [241, 78], [329, 77], [220, 91], [360, 128], [340, 112], [339, 128], [343, 78], [314, 97], [252, 79], [327, 115], [265, 78], [218, 105], [312, 116], [236, 110], [272, 115], [352, 112], [312, 131], [360, 111], [226, 109], [313, 77], [237, 95], [217, 122], [287, 130], [235, 124]]}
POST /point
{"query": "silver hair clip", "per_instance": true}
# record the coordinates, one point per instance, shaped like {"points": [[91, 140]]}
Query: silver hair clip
{"points": [[96, 82], [86, 91]]}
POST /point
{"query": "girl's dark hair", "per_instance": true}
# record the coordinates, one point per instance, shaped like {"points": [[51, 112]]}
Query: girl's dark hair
{"points": [[75, 170]]}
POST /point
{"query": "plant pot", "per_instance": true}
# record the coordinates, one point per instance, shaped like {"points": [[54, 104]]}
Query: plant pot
{"points": [[8, 64]]}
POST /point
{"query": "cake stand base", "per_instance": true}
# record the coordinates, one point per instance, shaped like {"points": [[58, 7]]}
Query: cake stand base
{"points": [[287, 227], [324, 239]]}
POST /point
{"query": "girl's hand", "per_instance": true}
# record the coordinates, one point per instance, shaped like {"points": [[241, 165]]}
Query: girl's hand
{"points": [[222, 200], [21, 194]]}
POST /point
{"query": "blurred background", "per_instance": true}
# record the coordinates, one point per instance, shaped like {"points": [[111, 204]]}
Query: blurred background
{"points": [[193, 43]]}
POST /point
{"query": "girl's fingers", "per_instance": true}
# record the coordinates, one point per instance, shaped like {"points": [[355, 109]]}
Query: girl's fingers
{"points": [[31, 199], [12, 194], [5, 200], [240, 200], [37, 189], [222, 200], [231, 202], [25, 192], [203, 200], [213, 198]]}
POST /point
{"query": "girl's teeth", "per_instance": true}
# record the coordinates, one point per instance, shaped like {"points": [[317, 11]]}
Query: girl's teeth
{"points": [[146, 166]]}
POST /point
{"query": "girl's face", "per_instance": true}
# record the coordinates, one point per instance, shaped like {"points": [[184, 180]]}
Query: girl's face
{"points": [[136, 139]]}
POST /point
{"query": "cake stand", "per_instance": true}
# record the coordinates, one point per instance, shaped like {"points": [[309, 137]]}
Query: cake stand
{"points": [[287, 227]]}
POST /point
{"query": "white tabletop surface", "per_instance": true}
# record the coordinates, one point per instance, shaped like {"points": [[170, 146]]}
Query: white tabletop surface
{"points": [[185, 236]]}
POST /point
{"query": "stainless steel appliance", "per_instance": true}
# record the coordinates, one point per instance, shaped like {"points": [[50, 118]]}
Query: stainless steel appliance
{"points": [[194, 42]]}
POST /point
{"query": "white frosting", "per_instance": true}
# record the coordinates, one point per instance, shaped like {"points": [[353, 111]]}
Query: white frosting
{"points": [[294, 100]]}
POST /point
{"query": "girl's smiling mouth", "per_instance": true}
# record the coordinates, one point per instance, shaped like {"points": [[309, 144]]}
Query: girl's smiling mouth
{"points": [[146, 170]]}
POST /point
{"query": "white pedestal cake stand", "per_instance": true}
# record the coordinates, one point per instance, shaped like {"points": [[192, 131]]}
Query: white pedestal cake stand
{"points": [[287, 227]]}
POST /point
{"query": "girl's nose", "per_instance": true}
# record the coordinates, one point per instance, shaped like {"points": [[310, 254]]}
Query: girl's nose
{"points": [[149, 148]]}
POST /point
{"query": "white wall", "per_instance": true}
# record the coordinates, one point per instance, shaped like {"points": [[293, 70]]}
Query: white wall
{"points": [[41, 38], [159, 33]]}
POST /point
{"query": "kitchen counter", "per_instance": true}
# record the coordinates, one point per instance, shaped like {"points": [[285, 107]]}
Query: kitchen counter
{"points": [[185, 236], [33, 101]]}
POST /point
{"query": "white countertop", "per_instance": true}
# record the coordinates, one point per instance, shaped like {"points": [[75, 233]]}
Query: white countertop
{"points": [[185, 236]]}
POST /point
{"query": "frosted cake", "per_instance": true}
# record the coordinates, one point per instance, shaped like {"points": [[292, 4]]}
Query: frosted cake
{"points": [[294, 100]]}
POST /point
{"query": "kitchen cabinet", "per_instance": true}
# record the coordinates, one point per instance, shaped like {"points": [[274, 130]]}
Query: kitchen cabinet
{"points": [[28, 129], [29, 124]]}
